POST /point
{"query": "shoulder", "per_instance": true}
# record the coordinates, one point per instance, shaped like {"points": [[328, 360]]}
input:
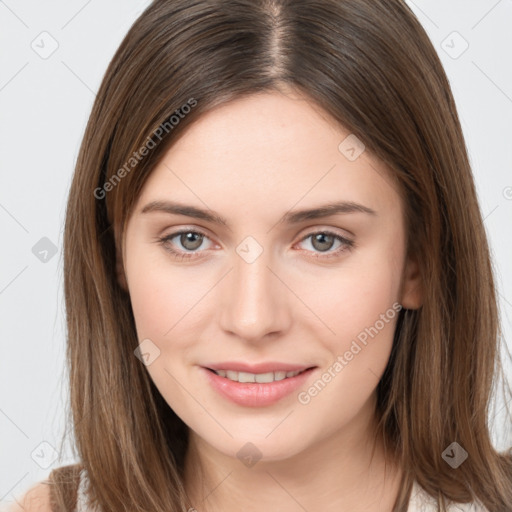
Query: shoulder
{"points": [[59, 490], [36, 499]]}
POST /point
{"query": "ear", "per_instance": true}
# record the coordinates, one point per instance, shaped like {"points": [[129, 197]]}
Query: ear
{"points": [[412, 286]]}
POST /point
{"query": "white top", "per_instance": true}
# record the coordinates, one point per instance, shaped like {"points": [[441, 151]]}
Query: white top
{"points": [[420, 500], [82, 503]]}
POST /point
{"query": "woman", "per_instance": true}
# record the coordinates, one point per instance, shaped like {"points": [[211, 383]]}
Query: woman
{"points": [[221, 355]]}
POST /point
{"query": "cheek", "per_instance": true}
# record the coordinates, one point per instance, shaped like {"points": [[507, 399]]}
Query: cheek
{"points": [[360, 305], [150, 298], [354, 296], [153, 294], [363, 316], [165, 298]]}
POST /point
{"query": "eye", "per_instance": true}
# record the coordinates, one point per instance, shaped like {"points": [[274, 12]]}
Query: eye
{"points": [[189, 239], [323, 241]]}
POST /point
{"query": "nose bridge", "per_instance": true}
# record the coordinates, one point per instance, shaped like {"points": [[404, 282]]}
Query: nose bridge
{"points": [[255, 303]]}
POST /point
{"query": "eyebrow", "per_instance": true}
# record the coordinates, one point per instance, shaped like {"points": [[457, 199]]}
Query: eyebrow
{"points": [[292, 217]]}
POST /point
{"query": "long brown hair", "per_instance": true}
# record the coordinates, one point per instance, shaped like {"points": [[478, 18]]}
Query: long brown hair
{"points": [[370, 66]]}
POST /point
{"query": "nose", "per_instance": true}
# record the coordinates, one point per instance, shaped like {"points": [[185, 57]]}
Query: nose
{"points": [[255, 301]]}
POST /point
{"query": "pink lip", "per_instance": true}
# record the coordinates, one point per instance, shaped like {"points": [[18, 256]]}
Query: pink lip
{"points": [[270, 366], [255, 394]]}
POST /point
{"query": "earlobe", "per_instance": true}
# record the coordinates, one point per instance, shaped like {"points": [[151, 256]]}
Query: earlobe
{"points": [[412, 287]]}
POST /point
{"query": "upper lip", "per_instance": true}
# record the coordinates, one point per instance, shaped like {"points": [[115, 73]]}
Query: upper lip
{"points": [[270, 366]]}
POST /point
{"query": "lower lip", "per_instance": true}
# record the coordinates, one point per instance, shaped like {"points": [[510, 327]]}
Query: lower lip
{"points": [[255, 394]]}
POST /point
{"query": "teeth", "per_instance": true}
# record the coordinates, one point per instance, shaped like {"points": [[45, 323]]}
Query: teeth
{"points": [[256, 377]]}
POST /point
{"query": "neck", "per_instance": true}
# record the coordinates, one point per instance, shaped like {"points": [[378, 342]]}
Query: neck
{"points": [[343, 471]]}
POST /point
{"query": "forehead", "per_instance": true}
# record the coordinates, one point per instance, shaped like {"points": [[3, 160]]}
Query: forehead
{"points": [[266, 153]]}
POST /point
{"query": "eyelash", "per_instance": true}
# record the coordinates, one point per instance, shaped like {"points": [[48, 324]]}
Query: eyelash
{"points": [[347, 244]]}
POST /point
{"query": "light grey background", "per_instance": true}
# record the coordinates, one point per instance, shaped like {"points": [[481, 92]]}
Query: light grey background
{"points": [[45, 100]]}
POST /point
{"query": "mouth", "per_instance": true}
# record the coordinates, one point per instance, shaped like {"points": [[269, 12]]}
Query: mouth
{"points": [[260, 378], [257, 389]]}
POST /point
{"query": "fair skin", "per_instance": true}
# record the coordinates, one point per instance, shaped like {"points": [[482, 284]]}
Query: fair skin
{"points": [[36, 499], [251, 161]]}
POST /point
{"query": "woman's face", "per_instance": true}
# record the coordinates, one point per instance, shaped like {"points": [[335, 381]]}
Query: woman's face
{"points": [[268, 286]]}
